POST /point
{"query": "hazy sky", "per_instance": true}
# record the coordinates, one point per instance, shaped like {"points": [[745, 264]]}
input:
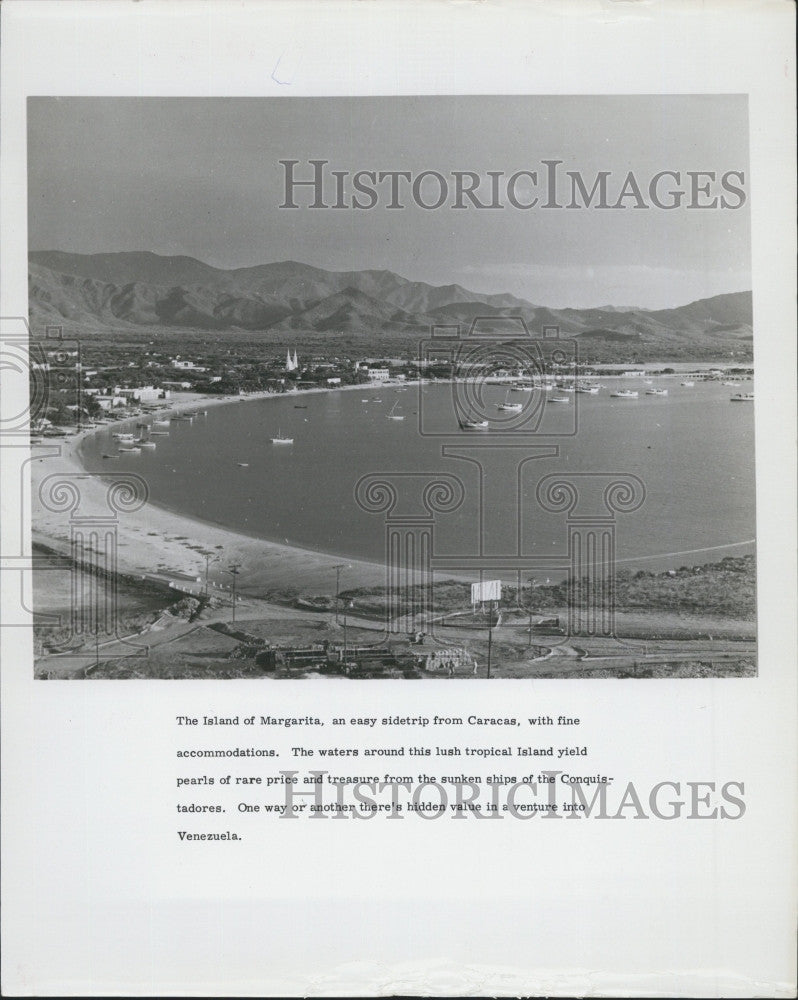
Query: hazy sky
{"points": [[202, 177]]}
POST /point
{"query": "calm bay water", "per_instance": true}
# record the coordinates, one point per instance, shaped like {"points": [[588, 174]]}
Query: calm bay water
{"points": [[694, 451]]}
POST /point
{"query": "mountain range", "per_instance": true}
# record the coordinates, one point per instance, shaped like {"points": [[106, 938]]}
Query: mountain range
{"points": [[289, 298]]}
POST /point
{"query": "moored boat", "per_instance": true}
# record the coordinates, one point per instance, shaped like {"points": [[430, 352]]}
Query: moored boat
{"points": [[508, 406], [742, 397], [624, 394], [656, 392]]}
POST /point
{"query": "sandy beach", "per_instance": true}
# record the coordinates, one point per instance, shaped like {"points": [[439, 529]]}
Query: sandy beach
{"points": [[170, 546], [158, 542]]}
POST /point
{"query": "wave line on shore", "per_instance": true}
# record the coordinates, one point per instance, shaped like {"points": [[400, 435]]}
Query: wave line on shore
{"points": [[687, 552]]}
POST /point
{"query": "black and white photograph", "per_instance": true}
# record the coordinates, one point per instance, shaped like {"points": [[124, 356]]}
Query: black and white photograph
{"points": [[344, 345], [392, 387]]}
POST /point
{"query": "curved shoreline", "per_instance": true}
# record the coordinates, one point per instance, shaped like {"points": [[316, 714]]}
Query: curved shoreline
{"points": [[163, 542], [157, 541]]}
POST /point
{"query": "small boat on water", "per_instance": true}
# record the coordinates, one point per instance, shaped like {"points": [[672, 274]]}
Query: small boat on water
{"points": [[732, 385], [395, 416], [133, 450], [656, 392], [243, 465], [146, 444], [110, 456], [300, 406], [566, 388], [159, 434], [508, 406], [474, 425], [547, 387], [586, 387], [688, 384], [280, 439], [559, 399], [124, 437], [160, 423], [742, 397], [624, 394]]}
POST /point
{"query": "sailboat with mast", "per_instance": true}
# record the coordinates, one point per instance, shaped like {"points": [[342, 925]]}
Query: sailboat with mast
{"points": [[508, 406]]}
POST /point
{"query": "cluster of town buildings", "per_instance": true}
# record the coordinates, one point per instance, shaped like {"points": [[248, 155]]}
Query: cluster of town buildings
{"points": [[113, 387], [118, 385]]}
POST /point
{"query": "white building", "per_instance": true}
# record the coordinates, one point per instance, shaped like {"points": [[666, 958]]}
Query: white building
{"points": [[186, 365], [291, 364], [140, 394], [110, 402]]}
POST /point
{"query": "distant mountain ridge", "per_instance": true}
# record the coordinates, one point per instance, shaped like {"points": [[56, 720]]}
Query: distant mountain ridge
{"points": [[143, 289]]}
